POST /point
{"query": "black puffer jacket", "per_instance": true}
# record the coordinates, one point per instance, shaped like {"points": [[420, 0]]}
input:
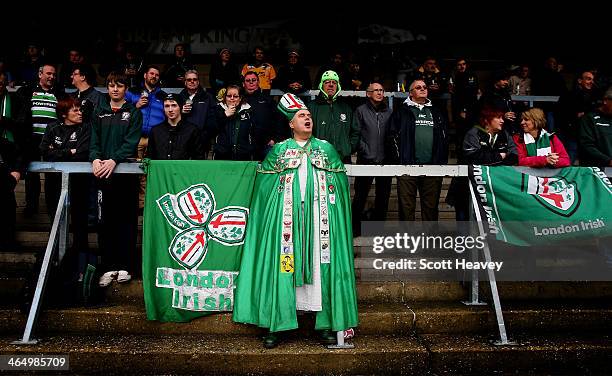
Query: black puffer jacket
{"points": [[180, 142], [481, 148]]}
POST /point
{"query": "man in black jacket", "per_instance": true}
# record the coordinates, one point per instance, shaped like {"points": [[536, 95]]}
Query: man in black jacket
{"points": [[199, 108], [419, 136], [497, 96], [83, 79], [572, 107], [268, 128], [175, 138]]}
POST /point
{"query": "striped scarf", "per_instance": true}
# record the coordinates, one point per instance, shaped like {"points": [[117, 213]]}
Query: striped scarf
{"points": [[539, 147], [5, 113]]}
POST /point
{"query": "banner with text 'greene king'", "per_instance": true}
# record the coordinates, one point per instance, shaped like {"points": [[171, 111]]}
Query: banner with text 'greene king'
{"points": [[524, 209]]}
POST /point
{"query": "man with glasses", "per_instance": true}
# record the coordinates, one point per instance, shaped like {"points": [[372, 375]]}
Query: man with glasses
{"points": [[264, 71], [419, 136], [83, 78], [268, 129], [374, 120], [199, 108]]}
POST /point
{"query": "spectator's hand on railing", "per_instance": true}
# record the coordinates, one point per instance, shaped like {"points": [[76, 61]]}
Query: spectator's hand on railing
{"points": [[96, 166], [108, 166]]}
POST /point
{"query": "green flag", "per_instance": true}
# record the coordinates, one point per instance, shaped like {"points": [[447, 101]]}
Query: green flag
{"points": [[195, 220], [524, 209]]}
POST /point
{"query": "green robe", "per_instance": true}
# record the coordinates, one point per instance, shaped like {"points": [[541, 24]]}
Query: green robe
{"points": [[277, 255]]}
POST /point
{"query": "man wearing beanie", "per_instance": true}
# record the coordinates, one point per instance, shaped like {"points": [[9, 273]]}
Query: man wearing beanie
{"points": [[333, 118], [299, 237]]}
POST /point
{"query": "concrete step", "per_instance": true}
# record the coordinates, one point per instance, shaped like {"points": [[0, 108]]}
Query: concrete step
{"points": [[400, 292], [372, 355], [535, 355], [391, 318], [228, 355], [12, 278], [379, 318]]}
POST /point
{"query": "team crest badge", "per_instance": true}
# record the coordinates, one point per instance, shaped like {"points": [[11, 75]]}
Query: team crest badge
{"points": [[555, 194], [228, 225], [189, 247], [193, 212]]}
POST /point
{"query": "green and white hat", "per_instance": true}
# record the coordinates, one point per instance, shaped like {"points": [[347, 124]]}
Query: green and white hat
{"points": [[330, 75], [289, 104]]}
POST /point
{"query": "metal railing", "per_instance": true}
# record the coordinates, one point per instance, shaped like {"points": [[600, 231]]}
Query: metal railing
{"points": [[391, 95], [59, 230]]}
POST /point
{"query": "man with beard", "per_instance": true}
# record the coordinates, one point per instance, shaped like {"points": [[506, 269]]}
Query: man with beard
{"points": [[149, 99]]}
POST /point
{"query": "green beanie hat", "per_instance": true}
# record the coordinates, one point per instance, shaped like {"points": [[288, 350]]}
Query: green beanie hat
{"points": [[330, 75], [289, 104]]}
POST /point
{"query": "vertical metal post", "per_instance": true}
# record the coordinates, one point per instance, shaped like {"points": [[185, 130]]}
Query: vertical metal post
{"points": [[340, 342], [499, 315], [474, 299], [42, 277], [64, 223]]}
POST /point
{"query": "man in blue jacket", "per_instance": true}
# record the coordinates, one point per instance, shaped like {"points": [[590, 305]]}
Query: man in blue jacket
{"points": [[149, 99]]}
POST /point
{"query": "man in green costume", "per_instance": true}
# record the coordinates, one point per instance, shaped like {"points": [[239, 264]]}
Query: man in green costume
{"points": [[298, 252]]}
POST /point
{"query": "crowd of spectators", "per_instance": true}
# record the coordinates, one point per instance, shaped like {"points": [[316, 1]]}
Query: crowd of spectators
{"points": [[237, 119]]}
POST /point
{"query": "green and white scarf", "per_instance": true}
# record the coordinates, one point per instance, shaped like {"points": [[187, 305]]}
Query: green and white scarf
{"points": [[539, 147]]}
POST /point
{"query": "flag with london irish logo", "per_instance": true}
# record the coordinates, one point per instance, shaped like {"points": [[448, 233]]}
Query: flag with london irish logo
{"points": [[195, 219], [531, 208]]}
